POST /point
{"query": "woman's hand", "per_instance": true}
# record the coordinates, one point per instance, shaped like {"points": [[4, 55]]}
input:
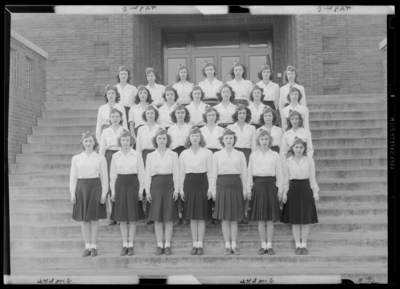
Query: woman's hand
{"points": [[148, 197], [182, 196], [176, 196], [209, 195], [103, 200], [73, 200], [214, 198], [140, 197], [316, 198], [280, 196], [113, 198]]}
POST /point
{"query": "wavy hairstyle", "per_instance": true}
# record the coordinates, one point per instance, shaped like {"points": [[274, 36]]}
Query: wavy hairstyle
{"points": [[289, 124], [95, 146], [248, 115], [188, 144], [244, 75], [118, 96], [231, 99], [187, 116], [148, 100], [169, 141]]}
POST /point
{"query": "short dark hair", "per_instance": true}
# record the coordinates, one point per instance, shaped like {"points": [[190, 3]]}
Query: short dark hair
{"points": [[205, 116], [132, 141], [291, 152], [290, 68], [289, 124], [95, 146], [178, 78], [244, 75], [231, 99], [188, 144], [120, 114], [155, 74], [202, 94], [187, 115], [169, 141], [248, 115], [271, 140], [137, 99], [118, 96], [262, 93], [157, 114], [275, 120], [222, 137], [203, 71], [175, 93], [266, 67], [294, 89], [129, 75]]}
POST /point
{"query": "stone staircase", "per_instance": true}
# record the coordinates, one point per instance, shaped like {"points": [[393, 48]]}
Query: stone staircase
{"points": [[350, 141]]}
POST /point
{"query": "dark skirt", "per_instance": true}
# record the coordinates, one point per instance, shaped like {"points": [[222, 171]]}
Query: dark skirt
{"points": [[229, 203], [87, 206], [270, 103], [108, 155], [163, 208], [247, 153], [144, 156], [256, 125], [211, 101], [127, 206], [224, 125], [214, 150], [241, 101], [264, 205], [135, 130], [300, 205], [127, 114], [179, 149], [275, 149], [196, 207]]}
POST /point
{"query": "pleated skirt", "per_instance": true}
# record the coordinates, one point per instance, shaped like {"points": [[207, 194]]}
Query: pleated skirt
{"points": [[144, 156], [196, 205], [275, 149], [270, 103], [211, 101], [247, 153], [300, 205], [214, 150], [229, 203], [264, 205], [163, 208], [108, 156], [87, 206], [179, 150], [127, 206]]}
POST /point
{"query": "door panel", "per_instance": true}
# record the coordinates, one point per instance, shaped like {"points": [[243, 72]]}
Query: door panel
{"points": [[171, 65], [255, 63], [225, 64], [198, 63]]}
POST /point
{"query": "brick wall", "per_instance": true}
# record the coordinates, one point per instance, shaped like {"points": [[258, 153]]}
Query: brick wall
{"points": [[27, 93], [383, 49]]}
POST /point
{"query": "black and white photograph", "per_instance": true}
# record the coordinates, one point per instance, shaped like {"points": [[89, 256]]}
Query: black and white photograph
{"points": [[152, 144]]}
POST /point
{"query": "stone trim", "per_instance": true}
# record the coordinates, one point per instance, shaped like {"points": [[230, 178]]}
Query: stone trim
{"points": [[29, 44], [383, 44]]}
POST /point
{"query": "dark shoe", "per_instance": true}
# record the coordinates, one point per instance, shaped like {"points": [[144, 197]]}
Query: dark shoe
{"points": [[261, 251], [246, 220], [186, 222], [112, 223], [217, 222], [179, 222], [124, 251], [86, 253], [167, 251], [304, 251], [271, 251], [93, 252], [149, 222], [159, 251], [227, 251], [130, 251], [298, 251], [199, 251], [194, 251], [236, 251], [211, 222]]}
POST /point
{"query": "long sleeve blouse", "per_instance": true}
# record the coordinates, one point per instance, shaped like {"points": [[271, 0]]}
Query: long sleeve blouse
{"points": [[183, 91], [255, 113], [241, 88], [127, 94], [165, 115], [196, 114], [271, 91], [210, 89], [145, 136], [283, 93], [103, 117], [88, 167], [246, 139], [225, 114], [157, 92], [276, 133], [109, 140], [288, 138], [301, 109], [211, 138], [178, 135], [136, 115]]}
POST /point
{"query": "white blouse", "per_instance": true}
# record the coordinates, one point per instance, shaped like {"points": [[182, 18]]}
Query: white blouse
{"points": [[165, 115], [195, 163], [109, 140], [158, 165], [183, 92], [268, 165], [132, 163], [255, 113], [145, 136], [241, 88], [302, 171], [178, 135], [136, 114], [88, 167], [224, 164], [196, 114], [283, 93], [127, 94], [288, 138], [211, 138], [246, 139], [157, 92], [276, 133], [271, 91], [301, 109], [210, 89], [103, 117], [225, 114]]}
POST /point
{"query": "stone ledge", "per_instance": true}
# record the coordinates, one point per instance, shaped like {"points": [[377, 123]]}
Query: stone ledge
{"points": [[29, 44]]}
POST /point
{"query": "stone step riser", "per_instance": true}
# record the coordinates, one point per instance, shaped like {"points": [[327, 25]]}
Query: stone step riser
{"points": [[342, 163], [57, 122], [353, 152], [350, 143], [66, 130], [318, 124], [113, 246], [345, 106], [54, 139], [349, 132], [350, 115], [347, 174], [145, 261]]}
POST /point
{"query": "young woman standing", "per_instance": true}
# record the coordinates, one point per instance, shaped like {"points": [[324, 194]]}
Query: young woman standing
{"points": [[126, 90], [182, 85], [268, 120], [156, 90], [256, 106], [239, 84], [226, 108], [170, 96], [211, 86], [197, 107], [290, 76], [270, 89]]}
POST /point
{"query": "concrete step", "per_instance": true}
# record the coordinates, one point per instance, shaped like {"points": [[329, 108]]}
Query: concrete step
{"points": [[61, 122], [52, 148], [345, 151], [349, 142], [73, 229], [346, 173], [55, 139], [51, 159], [349, 161], [324, 258], [78, 113], [65, 130], [348, 132], [212, 244], [32, 169], [347, 98], [76, 105], [338, 123], [349, 114], [376, 183], [340, 106]]}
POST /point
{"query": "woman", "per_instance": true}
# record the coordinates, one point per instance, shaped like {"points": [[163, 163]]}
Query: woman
{"points": [[127, 184], [182, 85], [170, 97], [109, 145], [256, 105], [270, 89], [229, 189], [295, 128], [239, 84], [264, 188], [294, 96], [211, 86], [156, 90], [125, 90], [268, 122], [162, 185], [300, 192], [112, 98], [179, 132], [195, 165], [88, 186], [225, 107], [290, 76], [197, 107]]}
